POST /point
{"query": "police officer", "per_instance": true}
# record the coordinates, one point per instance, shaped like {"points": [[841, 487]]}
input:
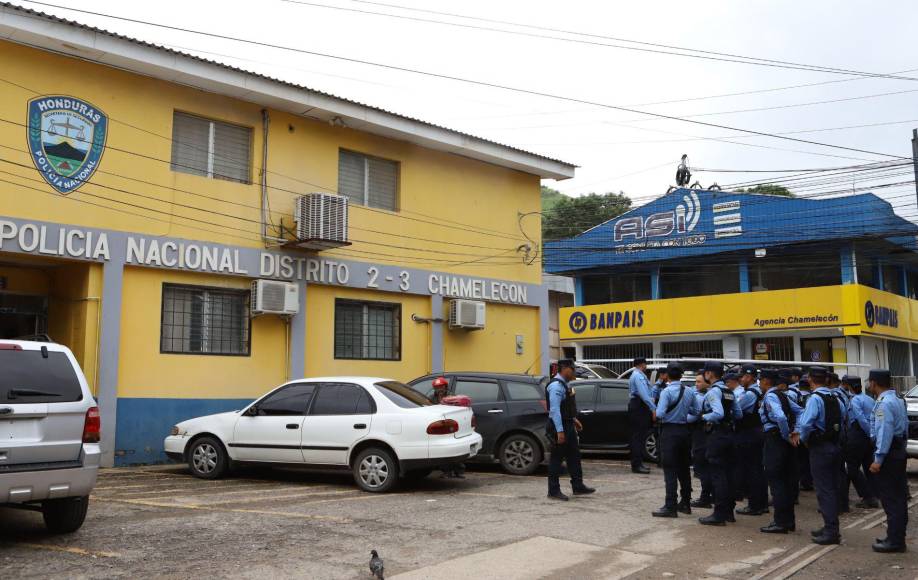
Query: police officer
{"points": [[732, 381], [676, 403], [890, 426], [699, 445], [750, 440], [640, 413], [799, 392], [820, 428], [779, 416], [660, 384], [859, 448], [719, 412], [834, 383], [562, 428]]}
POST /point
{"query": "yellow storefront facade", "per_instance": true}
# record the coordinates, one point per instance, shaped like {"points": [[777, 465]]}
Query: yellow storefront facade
{"points": [[143, 191]]}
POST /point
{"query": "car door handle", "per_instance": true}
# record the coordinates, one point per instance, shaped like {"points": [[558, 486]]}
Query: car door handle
{"points": [[293, 426], [360, 425], [587, 412], [495, 411]]}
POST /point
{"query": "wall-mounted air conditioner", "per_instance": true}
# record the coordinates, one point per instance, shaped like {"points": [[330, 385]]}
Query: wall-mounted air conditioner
{"points": [[468, 314], [273, 297], [321, 221]]}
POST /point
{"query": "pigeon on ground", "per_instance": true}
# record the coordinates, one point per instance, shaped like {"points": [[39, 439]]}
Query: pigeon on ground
{"points": [[376, 565]]}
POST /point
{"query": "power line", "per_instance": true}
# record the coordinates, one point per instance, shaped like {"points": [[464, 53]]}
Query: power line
{"points": [[454, 78]]}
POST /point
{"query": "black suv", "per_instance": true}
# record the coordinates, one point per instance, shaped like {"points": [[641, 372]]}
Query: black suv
{"points": [[510, 411], [602, 407]]}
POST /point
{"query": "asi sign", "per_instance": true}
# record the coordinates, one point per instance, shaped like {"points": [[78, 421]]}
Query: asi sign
{"points": [[66, 138], [682, 220]]}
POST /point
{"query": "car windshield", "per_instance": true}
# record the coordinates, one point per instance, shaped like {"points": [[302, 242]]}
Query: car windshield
{"points": [[602, 372], [913, 392], [402, 395], [30, 377]]}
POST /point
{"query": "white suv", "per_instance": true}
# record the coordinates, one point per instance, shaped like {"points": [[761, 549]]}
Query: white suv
{"points": [[49, 433]]}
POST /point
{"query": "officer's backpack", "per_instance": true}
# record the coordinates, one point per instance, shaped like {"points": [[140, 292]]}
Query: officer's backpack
{"points": [[785, 406], [833, 432]]}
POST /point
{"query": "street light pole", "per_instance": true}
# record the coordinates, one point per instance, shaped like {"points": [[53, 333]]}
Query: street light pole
{"points": [[915, 157]]}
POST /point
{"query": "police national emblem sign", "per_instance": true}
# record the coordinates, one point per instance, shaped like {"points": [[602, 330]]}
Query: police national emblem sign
{"points": [[66, 139]]}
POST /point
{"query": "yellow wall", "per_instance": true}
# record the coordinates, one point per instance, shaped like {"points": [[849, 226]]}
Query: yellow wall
{"points": [[303, 157], [320, 336], [494, 348], [26, 280], [145, 372]]}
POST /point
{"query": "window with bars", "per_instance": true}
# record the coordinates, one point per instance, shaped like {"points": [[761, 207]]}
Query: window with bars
{"points": [[367, 330], [693, 349], [367, 180], [203, 320], [773, 348], [211, 148], [899, 358], [616, 351]]}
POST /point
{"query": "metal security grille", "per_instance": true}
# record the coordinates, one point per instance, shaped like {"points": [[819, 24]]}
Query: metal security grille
{"points": [[210, 148], [368, 181], [899, 358], [367, 330], [693, 349], [915, 357], [776, 348], [626, 351], [201, 320]]}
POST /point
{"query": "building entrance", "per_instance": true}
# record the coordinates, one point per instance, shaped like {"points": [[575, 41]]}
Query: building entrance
{"points": [[23, 315], [817, 350]]}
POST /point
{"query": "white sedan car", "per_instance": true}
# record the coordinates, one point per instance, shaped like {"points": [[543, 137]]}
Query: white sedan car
{"points": [[379, 429]]}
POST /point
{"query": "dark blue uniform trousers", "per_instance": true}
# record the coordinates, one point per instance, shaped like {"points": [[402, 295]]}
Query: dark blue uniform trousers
{"points": [[676, 458], [858, 457], [700, 461], [720, 460], [640, 420], [893, 488], [569, 453], [750, 475], [825, 458], [780, 460]]}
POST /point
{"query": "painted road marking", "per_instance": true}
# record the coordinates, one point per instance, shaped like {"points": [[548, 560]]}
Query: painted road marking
{"points": [[883, 519], [277, 497], [801, 565], [783, 562], [184, 492], [66, 550], [189, 506]]}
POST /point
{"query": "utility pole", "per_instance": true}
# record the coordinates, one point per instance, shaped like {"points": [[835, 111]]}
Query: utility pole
{"points": [[915, 157]]}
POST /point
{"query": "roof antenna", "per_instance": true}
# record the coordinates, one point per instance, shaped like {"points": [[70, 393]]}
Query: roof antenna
{"points": [[683, 175]]}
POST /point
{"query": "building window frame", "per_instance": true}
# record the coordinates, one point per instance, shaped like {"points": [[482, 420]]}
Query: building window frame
{"points": [[206, 321], [365, 200], [364, 335], [209, 170]]}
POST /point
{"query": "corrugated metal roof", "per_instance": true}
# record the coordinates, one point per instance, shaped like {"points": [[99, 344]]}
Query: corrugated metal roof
{"points": [[43, 15]]}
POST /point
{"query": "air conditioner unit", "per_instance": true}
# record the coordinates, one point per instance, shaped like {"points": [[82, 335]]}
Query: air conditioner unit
{"points": [[468, 314], [321, 221], [273, 297]]}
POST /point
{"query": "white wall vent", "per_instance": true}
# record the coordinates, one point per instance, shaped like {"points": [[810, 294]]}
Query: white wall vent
{"points": [[468, 314], [273, 297], [321, 221]]}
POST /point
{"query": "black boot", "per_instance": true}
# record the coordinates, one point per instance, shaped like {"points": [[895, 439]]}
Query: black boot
{"points": [[774, 528], [702, 502], [558, 496], [666, 511], [827, 539], [711, 521], [684, 507], [583, 490], [887, 547], [867, 503]]}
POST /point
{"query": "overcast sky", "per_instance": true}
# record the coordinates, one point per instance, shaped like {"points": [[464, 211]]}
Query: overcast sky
{"points": [[615, 150]]}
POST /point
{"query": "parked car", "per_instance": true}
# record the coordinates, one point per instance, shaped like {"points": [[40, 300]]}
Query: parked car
{"points": [[379, 429], [511, 413], [602, 407], [49, 438], [911, 403], [593, 371]]}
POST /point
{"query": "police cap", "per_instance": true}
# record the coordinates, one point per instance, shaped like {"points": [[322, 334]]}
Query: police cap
{"points": [[640, 361], [770, 374], [713, 367], [565, 363], [804, 384], [851, 380], [834, 377], [749, 370], [674, 369], [784, 376], [881, 376], [796, 371], [818, 372], [731, 376]]}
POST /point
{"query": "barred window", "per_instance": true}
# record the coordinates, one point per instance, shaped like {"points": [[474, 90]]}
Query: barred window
{"points": [[369, 181], [202, 320], [210, 148], [368, 330]]}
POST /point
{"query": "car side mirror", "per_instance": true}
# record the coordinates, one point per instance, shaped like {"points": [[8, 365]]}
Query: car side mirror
{"points": [[251, 411]]}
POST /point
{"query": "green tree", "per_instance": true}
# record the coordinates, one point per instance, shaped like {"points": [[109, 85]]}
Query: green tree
{"points": [[570, 216], [768, 189], [550, 197]]}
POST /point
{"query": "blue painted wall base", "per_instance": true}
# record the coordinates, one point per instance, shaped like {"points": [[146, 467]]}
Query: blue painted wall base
{"points": [[144, 423]]}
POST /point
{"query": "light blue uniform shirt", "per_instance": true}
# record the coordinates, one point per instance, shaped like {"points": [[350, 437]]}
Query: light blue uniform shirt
{"points": [[814, 414], [639, 386], [749, 398], [681, 409], [557, 390], [861, 411], [697, 405], [889, 420], [714, 404], [772, 413]]}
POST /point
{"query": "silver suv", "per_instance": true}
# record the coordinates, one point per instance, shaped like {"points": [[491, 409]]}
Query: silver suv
{"points": [[49, 433]]}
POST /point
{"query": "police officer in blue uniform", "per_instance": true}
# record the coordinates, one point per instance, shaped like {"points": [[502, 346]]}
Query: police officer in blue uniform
{"points": [[890, 425], [673, 410], [750, 440], [820, 428], [834, 383], [720, 413], [732, 381], [859, 448], [640, 413], [778, 415], [700, 445], [562, 429]]}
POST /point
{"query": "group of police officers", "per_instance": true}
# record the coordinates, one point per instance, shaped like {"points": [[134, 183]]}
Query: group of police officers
{"points": [[752, 431]]}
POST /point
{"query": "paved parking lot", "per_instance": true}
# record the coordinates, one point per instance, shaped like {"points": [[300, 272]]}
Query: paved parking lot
{"points": [[160, 522]]}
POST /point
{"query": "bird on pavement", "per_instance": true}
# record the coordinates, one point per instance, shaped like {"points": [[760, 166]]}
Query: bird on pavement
{"points": [[376, 565]]}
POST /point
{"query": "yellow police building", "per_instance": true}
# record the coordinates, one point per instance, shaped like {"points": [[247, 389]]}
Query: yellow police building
{"points": [[700, 273], [198, 234]]}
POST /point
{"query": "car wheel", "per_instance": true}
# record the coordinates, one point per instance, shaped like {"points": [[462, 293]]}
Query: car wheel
{"points": [[519, 454], [375, 470], [207, 459], [66, 515], [652, 447]]}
